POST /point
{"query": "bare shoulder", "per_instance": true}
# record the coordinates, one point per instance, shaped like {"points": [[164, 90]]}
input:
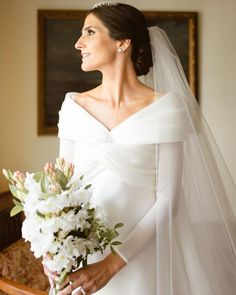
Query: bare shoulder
{"points": [[83, 98], [149, 94]]}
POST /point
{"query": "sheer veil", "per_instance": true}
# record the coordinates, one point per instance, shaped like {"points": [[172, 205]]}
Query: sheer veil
{"points": [[196, 250]]}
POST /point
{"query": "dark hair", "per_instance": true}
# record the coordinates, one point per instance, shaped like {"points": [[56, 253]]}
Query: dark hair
{"points": [[124, 21]]}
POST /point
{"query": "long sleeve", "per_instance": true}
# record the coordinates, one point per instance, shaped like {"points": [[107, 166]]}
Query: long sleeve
{"points": [[169, 177]]}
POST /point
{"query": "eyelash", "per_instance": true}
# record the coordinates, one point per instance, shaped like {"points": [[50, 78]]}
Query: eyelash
{"points": [[90, 32]]}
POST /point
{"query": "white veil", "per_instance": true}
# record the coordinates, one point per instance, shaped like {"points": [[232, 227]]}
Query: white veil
{"points": [[196, 250]]}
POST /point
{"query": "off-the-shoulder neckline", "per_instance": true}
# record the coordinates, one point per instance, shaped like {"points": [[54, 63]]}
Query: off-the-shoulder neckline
{"points": [[70, 95]]}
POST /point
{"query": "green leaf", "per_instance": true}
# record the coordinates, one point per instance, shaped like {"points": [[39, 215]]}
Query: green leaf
{"points": [[84, 261], [81, 177], [9, 175], [13, 190], [37, 176], [61, 178], [62, 277], [40, 214], [116, 243], [88, 186], [113, 250], [43, 183], [16, 202], [118, 225], [15, 210]]}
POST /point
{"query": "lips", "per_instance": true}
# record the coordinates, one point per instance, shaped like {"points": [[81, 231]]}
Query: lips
{"points": [[85, 54]]}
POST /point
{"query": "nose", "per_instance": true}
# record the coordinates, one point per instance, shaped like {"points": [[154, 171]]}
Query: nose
{"points": [[79, 44]]}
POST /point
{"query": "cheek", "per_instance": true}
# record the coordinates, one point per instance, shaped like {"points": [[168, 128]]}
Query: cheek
{"points": [[106, 47], [103, 52], [108, 51]]}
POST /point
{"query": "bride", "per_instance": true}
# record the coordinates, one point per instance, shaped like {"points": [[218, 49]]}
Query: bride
{"points": [[153, 164]]}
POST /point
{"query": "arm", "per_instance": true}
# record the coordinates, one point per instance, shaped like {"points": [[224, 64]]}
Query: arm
{"points": [[169, 176]]}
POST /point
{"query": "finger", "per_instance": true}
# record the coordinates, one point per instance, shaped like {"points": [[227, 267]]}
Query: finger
{"points": [[50, 275], [51, 282], [66, 291], [64, 283], [79, 291], [73, 288], [46, 268], [86, 288]]}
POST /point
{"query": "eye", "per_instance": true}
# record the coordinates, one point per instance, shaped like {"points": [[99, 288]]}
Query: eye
{"points": [[90, 32]]}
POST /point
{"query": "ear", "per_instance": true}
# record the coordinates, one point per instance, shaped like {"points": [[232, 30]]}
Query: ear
{"points": [[124, 44]]}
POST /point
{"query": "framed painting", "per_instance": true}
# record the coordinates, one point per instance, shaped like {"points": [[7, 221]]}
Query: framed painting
{"points": [[59, 62]]}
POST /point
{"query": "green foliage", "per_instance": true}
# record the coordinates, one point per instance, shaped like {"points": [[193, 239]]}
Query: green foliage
{"points": [[62, 277], [13, 190], [16, 202], [43, 183], [37, 176], [62, 179], [118, 225], [9, 175], [40, 214], [88, 186], [16, 209]]}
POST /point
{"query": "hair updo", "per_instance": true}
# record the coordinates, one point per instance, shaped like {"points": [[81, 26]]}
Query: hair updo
{"points": [[124, 21]]}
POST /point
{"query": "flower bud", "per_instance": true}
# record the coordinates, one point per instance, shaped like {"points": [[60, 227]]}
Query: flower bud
{"points": [[49, 168], [20, 186], [6, 174], [18, 177]]}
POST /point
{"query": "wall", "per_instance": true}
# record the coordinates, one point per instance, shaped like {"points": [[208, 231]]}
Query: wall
{"points": [[20, 146]]}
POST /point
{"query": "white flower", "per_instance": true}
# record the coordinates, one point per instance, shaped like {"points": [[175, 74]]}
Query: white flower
{"points": [[59, 262], [100, 214], [75, 182], [80, 196], [64, 222], [30, 228], [81, 246], [52, 204], [52, 225], [41, 243], [31, 185]]}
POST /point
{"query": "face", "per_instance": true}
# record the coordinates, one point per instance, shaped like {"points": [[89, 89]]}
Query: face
{"points": [[97, 48]]}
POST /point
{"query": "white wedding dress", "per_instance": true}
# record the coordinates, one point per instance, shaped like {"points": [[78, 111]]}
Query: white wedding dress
{"points": [[133, 169]]}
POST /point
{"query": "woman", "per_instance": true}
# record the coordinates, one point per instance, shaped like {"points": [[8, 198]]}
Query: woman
{"points": [[149, 156]]}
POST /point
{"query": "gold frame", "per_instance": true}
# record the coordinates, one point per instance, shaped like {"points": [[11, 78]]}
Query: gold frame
{"points": [[46, 106]]}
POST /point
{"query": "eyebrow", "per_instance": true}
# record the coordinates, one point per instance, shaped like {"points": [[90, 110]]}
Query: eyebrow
{"points": [[87, 28]]}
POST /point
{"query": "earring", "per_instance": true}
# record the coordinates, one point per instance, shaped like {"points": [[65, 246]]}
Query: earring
{"points": [[120, 49]]}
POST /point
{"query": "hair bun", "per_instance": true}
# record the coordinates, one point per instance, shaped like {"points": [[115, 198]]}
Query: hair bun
{"points": [[142, 59]]}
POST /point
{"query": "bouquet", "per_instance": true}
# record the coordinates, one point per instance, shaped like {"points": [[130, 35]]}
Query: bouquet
{"points": [[61, 221]]}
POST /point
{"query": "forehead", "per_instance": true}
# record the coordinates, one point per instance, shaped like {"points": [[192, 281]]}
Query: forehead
{"points": [[92, 21]]}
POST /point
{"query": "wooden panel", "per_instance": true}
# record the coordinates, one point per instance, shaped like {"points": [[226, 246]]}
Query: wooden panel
{"points": [[10, 226], [12, 288]]}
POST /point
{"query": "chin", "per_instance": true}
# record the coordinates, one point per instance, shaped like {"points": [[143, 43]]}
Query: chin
{"points": [[87, 68]]}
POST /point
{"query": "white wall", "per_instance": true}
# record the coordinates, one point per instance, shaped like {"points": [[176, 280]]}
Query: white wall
{"points": [[21, 148]]}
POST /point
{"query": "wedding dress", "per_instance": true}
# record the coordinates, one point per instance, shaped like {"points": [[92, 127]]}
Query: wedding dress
{"points": [[121, 166], [137, 172], [161, 173]]}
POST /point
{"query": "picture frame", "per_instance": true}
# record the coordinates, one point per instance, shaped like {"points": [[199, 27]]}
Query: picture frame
{"points": [[59, 62]]}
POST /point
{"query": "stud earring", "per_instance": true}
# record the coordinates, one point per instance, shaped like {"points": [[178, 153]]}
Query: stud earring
{"points": [[120, 49]]}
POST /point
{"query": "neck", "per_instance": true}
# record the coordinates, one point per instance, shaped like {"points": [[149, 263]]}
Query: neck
{"points": [[119, 83]]}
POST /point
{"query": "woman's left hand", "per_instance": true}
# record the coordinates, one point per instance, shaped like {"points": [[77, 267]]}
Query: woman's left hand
{"points": [[93, 277]]}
